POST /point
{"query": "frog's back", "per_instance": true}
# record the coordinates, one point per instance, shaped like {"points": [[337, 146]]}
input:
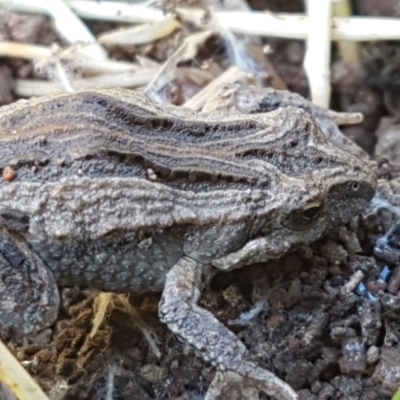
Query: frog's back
{"points": [[111, 190]]}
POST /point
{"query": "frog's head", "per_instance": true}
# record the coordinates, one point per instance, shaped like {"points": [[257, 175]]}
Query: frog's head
{"points": [[334, 198], [326, 189], [349, 195], [319, 186], [311, 186], [338, 186]]}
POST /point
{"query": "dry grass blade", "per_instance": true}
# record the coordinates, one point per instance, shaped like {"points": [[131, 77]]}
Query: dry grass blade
{"points": [[73, 59], [105, 302], [67, 24], [101, 303], [32, 88], [139, 322], [143, 34], [71, 55], [22, 50], [17, 379], [344, 118], [232, 75], [95, 67], [166, 74], [139, 77]]}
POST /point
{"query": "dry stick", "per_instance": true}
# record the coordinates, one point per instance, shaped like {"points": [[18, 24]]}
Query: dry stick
{"points": [[22, 50], [344, 118], [142, 34], [295, 26], [95, 67], [317, 61], [30, 88], [67, 24], [70, 55], [232, 75], [260, 23], [16, 378], [141, 77]]}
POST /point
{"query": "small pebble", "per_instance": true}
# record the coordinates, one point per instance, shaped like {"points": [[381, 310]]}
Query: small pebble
{"points": [[9, 174], [353, 282], [354, 358], [372, 355]]}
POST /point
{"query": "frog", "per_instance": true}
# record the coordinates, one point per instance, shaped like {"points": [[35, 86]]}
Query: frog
{"points": [[109, 190]]}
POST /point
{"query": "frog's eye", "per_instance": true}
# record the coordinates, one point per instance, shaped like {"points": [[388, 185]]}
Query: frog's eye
{"points": [[355, 186], [302, 219]]}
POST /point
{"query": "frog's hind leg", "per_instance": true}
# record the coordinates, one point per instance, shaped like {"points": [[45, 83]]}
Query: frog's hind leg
{"points": [[216, 343], [29, 297]]}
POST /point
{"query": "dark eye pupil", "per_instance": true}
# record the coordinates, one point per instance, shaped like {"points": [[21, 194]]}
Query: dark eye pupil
{"points": [[311, 212]]}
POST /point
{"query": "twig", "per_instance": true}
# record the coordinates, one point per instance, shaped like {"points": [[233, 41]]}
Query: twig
{"points": [[141, 34], [141, 77], [72, 55], [22, 50], [30, 88], [318, 54]]}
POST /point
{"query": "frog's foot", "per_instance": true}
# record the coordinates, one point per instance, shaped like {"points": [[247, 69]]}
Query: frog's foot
{"points": [[216, 343], [29, 297]]}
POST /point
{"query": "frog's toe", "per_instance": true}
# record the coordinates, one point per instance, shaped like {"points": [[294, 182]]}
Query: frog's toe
{"points": [[29, 297]]}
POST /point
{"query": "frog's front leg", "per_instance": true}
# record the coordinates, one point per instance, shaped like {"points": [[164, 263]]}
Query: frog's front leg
{"points": [[29, 297], [216, 343]]}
